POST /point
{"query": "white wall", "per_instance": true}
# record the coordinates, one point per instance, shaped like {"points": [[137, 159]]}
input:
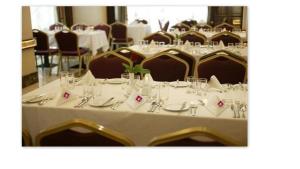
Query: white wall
{"points": [[90, 15]]}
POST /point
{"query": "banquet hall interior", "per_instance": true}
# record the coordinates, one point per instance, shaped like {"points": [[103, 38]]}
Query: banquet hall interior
{"points": [[134, 76]]}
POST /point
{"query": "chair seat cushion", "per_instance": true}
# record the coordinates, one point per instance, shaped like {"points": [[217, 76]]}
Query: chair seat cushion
{"points": [[75, 53], [46, 52], [122, 40]]}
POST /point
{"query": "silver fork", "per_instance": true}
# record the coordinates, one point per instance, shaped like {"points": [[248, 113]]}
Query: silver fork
{"points": [[233, 109]]}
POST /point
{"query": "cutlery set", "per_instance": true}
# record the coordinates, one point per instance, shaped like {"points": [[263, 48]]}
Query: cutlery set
{"points": [[239, 110], [153, 107], [83, 102]]}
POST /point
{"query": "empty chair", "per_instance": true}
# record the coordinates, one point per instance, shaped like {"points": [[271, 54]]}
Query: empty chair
{"points": [[68, 47], [78, 27], [187, 137], [58, 26], [170, 36], [186, 57], [65, 135], [190, 22], [204, 27], [193, 36], [159, 37], [42, 47], [166, 67], [104, 27], [226, 37], [26, 138], [108, 65], [119, 35], [181, 27], [225, 25], [225, 66], [134, 56]]}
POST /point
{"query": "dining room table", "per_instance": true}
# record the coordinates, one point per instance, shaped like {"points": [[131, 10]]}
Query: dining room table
{"points": [[178, 106], [138, 31]]}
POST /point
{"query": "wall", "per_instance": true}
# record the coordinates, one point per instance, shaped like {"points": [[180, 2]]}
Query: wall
{"points": [[90, 15]]}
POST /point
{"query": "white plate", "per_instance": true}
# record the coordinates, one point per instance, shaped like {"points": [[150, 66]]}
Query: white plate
{"points": [[98, 102], [124, 51], [179, 84], [176, 107], [34, 99], [116, 81]]}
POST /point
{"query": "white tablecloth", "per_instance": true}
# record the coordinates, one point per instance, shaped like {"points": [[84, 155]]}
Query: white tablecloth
{"points": [[139, 125], [89, 39], [138, 31]]}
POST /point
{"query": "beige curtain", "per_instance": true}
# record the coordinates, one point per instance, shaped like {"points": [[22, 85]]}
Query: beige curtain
{"points": [[245, 18]]}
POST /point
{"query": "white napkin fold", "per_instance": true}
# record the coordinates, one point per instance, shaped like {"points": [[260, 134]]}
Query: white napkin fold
{"points": [[152, 43], [214, 83], [135, 100], [187, 43], [87, 78], [221, 44], [215, 105], [65, 96]]}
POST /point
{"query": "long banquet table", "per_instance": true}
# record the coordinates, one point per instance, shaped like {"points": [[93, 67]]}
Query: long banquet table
{"points": [[138, 31], [139, 125]]}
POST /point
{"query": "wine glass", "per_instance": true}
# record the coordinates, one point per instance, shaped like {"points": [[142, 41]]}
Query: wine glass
{"points": [[163, 92], [202, 86], [192, 84], [63, 79]]}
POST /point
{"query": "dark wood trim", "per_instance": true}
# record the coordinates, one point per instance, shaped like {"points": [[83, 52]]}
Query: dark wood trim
{"points": [[29, 79]]}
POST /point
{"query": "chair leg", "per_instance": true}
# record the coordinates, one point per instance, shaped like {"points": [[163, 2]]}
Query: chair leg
{"points": [[80, 64], [68, 63], [51, 64], [111, 46], [42, 61], [59, 66], [36, 61]]}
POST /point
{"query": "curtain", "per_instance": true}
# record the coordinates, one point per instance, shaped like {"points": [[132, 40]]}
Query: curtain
{"points": [[43, 16], [110, 11], [65, 15], [245, 18], [123, 14]]}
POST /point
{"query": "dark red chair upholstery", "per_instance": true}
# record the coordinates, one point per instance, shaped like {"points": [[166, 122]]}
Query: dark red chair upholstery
{"points": [[59, 26], [119, 35], [159, 37], [79, 26], [181, 27], [108, 65], [193, 36], [226, 37], [186, 57], [190, 23], [134, 56], [166, 67], [226, 68], [68, 46], [104, 27], [42, 46], [227, 26]]}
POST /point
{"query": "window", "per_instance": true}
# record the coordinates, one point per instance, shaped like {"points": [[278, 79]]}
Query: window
{"points": [[43, 16], [173, 14]]}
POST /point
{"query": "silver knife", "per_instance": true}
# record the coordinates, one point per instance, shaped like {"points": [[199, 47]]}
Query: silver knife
{"points": [[110, 99]]}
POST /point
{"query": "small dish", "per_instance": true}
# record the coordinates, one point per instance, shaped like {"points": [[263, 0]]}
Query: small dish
{"points": [[176, 107]]}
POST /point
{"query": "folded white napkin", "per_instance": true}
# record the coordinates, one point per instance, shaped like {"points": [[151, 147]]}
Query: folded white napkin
{"points": [[201, 30], [214, 83], [152, 43], [65, 96], [187, 43], [215, 105], [135, 100], [87, 78], [221, 44]]}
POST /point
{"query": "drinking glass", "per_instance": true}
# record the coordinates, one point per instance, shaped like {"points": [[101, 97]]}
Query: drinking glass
{"points": [[197, 44], [237, 45], [215, 44], [192, 84], [230, 45], [63, 79], [70, 80], [202, 86], [164, 92], [125, 77]]}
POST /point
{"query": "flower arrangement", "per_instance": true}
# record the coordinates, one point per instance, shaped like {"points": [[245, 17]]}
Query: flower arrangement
{"points": [[135, 69]]}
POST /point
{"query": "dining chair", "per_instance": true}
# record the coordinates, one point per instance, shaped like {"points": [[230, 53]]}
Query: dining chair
{"points": [[193, 36], [108, 65], [181, 27], [78, 26], [64, 134], [188, 137], [58, 25], [158, 37], [189, 22], [204, 27], [226, 66], [184, 56], [104, 27], [166, 67], [26, 138], [225, 25], [226, 37], [119, 35], [68, 47], [134, 56], [42, 48]]}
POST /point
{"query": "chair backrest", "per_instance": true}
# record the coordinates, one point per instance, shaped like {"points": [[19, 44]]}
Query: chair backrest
{"points": [[181, 26], [227, 68], [26, 138], [63, 135], [103, 27], [185, 137], [78, 26], [225, 25], [204, 27], [159, 37], [190, 23], [118, 30], [133, 55], [186, 57], [165, 27], [169, 35], [56, 25], [67, 41], [41, 37], [193, 36], [226, 37], [166, 67], [108, 65]]}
